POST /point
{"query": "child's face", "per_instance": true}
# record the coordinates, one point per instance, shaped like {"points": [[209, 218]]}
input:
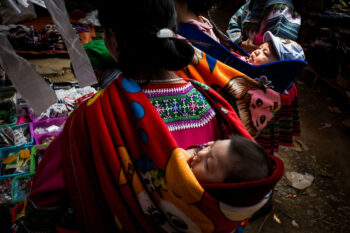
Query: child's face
{"points": [[262, 55], [209, 165]]}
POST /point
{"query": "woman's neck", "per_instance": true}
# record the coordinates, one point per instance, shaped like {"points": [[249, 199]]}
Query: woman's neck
{"points": [[159, 75], [184, 14]]}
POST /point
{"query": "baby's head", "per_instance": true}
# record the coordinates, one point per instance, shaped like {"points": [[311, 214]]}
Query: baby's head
{"points": [[266, 53], [275, 48], [232, 160]]}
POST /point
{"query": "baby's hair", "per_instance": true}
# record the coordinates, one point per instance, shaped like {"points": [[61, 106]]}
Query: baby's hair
{"points": [[135, 24], [250, 161]]}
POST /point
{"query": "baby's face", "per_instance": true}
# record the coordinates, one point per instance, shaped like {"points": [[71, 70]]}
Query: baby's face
{"points": [[209, 165], [262, 55]]}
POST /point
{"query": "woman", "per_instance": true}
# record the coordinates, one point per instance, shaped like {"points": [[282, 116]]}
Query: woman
{"points": [[118, 160], [248, 25], [281, 129]]}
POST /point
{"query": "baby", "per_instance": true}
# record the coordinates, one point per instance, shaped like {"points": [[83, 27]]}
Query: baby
{"points": [[274, 49], [233, 160]]}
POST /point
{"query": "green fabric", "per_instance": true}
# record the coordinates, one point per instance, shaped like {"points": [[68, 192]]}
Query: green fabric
{"points": [[99, 56]]}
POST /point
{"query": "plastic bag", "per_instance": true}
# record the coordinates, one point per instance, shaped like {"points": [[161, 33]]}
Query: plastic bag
{"points": [[91, 18], [11, 15], [21, 186]]}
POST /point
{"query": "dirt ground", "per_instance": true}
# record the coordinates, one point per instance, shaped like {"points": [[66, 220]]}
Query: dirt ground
{"points": [[324, 206]]}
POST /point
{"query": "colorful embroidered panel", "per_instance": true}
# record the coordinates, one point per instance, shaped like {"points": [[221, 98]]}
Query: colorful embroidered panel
{"points": [[181, 107]]}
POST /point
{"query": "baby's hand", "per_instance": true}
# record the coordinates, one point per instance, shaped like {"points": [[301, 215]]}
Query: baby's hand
{"points": [[249, 46]]}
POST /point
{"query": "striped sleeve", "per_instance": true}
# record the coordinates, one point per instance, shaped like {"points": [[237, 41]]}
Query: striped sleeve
{"points": [[283, 22], [234, 30]]}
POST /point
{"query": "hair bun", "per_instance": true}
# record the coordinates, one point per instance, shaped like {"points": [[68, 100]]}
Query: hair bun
{"points": [[174, 54]]}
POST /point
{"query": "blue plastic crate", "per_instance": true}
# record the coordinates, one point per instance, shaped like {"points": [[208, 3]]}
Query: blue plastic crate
{"points": [[20, 189], [31, 142], [5, 152]]}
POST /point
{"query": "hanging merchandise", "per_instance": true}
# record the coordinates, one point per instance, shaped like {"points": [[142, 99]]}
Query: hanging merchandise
{"points": [[91, 18], [39, 3], [30, 40]]}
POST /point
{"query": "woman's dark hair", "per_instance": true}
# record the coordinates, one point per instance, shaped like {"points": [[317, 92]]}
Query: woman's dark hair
{"points": [[199, 7], [251, 163], [135, 24]]}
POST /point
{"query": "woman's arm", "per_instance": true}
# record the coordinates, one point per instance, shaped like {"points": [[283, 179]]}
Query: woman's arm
{"points": [[283, 21], [234, 30], [249, 46]]}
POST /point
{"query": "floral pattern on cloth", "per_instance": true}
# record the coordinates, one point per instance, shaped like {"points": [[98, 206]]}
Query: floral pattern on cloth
{"points": [[153, 177], [143, 188], [181, 108], [239, 90]]}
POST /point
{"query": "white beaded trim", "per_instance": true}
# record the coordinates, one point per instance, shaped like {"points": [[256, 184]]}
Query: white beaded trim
{"points": [[191, 125], [166, 90]]}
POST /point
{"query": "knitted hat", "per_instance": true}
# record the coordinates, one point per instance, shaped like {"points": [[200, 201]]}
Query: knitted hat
{"points": [[285, 48]]}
